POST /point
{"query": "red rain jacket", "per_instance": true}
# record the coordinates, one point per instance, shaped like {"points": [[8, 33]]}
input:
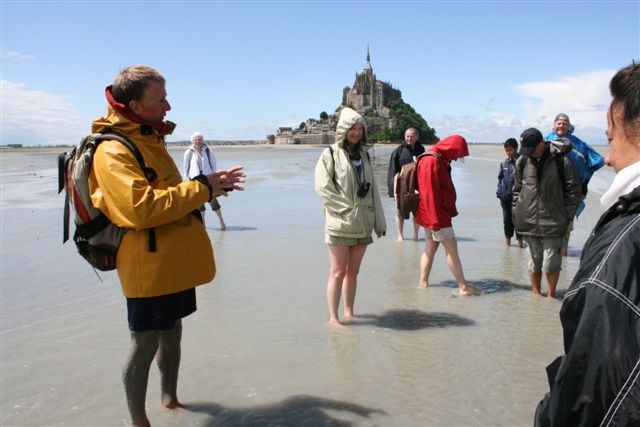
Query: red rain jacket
{"points": [[437, 195]]}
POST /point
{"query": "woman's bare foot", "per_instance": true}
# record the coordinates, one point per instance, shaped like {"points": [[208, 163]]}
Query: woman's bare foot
{"points": [[335, 323], [350, 318], [423, 285], [468, 291]]}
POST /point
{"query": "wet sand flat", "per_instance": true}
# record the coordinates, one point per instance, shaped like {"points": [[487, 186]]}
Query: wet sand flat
{"points": [[258, 351]]}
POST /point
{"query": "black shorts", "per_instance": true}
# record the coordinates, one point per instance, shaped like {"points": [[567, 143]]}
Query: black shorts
{"points": [[405, 215], [160, 313]]}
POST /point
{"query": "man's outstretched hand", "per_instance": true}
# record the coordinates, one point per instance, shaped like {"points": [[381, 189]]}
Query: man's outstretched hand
{"points": [[224, 181]]}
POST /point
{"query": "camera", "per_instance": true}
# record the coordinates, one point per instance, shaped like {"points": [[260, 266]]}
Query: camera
{"points": [[363, 189]]}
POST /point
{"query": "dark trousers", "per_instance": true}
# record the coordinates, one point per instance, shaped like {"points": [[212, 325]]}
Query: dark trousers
{"points": [[507, 219]]}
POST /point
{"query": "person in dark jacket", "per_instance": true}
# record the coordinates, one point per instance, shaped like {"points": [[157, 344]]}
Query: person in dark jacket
{"points": [[405, 153], [505, 190], [545, 198], [597, 381]]}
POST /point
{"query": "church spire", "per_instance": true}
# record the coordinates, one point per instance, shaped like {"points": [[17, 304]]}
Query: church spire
{"points": [[367, 64]]}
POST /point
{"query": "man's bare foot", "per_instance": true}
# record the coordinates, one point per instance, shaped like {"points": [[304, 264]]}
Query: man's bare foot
{"points": [[170, 402], [423, 285], [520, 245], [144, 422], [468, 291], [507, 241], [400, 239]]}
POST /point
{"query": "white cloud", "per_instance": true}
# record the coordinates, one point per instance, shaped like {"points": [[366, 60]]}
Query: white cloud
{"points": [[33, 117], [10, 54], [583, 97]]}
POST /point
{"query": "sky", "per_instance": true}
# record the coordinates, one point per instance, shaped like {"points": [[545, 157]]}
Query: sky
{"points": [[237, 70]]}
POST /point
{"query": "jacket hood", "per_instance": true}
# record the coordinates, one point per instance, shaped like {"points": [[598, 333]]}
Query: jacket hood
{"points": [[451, 148], [115, 120], [560, 145], [348, 118]]}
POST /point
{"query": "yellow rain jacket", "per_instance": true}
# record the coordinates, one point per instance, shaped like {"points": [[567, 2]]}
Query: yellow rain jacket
{"points": [[346, 214], [118, 187]]}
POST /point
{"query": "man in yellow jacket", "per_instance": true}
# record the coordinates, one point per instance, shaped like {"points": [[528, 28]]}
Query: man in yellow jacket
{"points": [[166, 253]]}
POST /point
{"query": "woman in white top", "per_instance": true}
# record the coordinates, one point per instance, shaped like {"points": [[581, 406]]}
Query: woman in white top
{"points": [[199, 159]]}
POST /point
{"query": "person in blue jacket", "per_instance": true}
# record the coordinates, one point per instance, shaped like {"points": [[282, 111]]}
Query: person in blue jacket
{"points": [[585, 159], [504, 191]]}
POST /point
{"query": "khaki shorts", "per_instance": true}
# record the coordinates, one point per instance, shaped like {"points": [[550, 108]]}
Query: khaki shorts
{"points": [[347, 241], [442, 234], [544, 253]]}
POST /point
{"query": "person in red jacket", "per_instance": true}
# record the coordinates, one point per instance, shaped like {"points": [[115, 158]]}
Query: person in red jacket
{"points": [[437, 206]]}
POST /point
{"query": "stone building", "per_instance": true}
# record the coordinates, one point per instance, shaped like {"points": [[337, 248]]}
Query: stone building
{"points": [[368, 92]]}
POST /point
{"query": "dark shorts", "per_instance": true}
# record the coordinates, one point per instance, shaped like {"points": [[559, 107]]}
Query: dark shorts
{"points": [[405, 215], [160, 313]]}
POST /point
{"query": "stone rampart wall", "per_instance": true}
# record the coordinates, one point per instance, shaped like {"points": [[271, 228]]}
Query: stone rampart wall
{"points": [[306, 138]]}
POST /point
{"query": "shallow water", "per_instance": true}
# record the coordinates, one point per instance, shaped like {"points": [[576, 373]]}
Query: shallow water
{"points": [[258, 350]]}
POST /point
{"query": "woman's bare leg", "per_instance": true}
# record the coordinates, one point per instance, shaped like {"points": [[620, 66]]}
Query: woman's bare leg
{"points": [[350, 283]]}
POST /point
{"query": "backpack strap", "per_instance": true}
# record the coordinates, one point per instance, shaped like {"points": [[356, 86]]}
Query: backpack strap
{"points": [[206, 150], [149, 173], [522, 164], [333, 160]]}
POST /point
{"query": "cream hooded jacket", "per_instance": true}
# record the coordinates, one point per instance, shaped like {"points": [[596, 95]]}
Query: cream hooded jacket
{"points": [[118, 187], [346, 214]]}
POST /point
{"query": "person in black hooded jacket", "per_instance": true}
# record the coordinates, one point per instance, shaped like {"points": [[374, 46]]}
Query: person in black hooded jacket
{"points": [[597, 381], [405, 153]]}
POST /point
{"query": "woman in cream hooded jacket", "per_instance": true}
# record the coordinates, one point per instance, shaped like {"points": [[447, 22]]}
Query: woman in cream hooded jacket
{"points": [[342, 172]]}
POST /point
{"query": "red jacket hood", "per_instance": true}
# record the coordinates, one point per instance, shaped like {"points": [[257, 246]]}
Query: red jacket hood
{"points": [[451, 148]]}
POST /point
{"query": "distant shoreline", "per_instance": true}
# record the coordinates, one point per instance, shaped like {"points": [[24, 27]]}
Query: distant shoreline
{"points": [[488, 149]]}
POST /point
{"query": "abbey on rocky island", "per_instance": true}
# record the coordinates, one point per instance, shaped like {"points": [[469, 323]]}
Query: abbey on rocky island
{"points": [[368, 96]]}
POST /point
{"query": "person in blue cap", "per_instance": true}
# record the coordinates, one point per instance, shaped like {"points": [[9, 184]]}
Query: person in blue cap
{"points": [[585, 159]]}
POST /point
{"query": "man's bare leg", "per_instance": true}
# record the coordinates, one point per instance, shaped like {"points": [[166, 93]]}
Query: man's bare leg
{"points": [[552, 281], [416, 229], [350, 283], [426, 261], [399, 227], [455, 266], [135, 374], [168, 360], [536, 280], [338, 255]]}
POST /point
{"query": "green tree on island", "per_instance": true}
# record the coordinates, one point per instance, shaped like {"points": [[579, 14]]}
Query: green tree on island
{"points": [[405, 117]]}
